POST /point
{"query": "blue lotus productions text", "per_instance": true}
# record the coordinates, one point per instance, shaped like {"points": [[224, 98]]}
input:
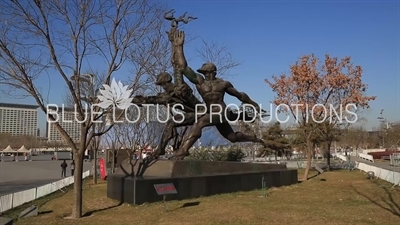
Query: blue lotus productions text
{"points": [[160, 113]]}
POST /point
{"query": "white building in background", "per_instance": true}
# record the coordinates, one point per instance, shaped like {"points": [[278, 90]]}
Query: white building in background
{"points": [[18, 119], [67, 120]]}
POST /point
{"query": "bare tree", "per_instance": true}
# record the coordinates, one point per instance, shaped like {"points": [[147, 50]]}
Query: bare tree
{"points": [[63, 38], [56, 145], [355, 137], [112, 146], [86, 92], [134, 136], [17, 141], [253, 128], [219, 54], [391, 136]]}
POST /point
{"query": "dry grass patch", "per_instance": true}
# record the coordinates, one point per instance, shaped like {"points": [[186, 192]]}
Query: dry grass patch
{"points": [[338, 197]]}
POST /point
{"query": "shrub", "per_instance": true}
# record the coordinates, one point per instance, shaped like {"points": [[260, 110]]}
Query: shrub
{"points": [[233, 153]]}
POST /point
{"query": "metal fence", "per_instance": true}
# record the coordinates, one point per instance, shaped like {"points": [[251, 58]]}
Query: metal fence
{"points": [[16, 199], [392, 177]]}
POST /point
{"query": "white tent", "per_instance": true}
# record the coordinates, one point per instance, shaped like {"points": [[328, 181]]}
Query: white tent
{"points": [[9, 150], [23, 149]]}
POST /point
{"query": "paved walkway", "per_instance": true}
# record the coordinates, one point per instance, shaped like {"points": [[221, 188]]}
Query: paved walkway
{"points": [[23, 175], [384, 165]]}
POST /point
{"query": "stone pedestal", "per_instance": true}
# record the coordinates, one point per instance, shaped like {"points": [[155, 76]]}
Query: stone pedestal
{"points": [[134, 180], [188, 168]]}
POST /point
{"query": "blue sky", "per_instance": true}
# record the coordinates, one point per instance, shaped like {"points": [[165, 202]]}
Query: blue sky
{"points": [[268, 36]]}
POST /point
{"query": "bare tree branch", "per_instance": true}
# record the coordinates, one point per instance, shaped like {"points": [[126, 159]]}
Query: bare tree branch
{"points": [[60, 39], [219, 54]]}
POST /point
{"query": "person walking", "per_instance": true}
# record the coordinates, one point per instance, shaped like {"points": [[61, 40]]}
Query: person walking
{"points": [[72, 167], [64, 166]]}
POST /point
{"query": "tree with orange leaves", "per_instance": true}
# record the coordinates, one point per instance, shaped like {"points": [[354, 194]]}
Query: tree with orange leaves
{"points": [[320, 96]]}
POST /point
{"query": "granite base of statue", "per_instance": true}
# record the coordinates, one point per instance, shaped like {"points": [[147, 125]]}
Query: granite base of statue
{"points": [[133, 182]]}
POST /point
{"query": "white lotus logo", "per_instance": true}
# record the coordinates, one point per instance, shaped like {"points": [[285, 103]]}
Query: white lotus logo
{"points": [[115, 95]]}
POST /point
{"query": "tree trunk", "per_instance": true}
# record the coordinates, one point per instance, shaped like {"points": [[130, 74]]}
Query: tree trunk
{"points": [[309, 153], [314, 153], [94, 150], [107, 159], [95, 165], [79, 153], [113, 160], [328, 156], [95, 143], [77, 209]]}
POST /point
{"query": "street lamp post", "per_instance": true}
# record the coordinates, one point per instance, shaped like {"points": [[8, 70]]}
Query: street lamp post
{"points": [[90, 78], [385, 127], [255, 147]]}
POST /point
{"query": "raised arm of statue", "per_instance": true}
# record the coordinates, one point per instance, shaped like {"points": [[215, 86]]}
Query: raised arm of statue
{"points": [[179, 39]]}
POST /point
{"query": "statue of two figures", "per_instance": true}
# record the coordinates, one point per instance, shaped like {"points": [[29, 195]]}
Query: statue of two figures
{"points": [[212, 91]]}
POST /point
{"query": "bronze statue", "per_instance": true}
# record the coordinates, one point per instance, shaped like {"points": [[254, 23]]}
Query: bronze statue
{"points": [[212, 90], [165, 80]]}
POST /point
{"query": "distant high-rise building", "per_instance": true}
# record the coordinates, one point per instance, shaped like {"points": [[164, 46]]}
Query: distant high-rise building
{"points": [[18, 119], [67, 120], [38, 132]]}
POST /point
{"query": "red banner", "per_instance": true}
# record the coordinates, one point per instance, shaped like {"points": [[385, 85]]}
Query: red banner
{"points": [[103, 174]]}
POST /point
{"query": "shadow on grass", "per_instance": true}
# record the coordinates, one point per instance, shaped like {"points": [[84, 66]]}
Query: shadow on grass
{"points": [[89, 213], [301, 180], [335, 169], [314, 176], [388, 202], [187, 204], [45, 212]]}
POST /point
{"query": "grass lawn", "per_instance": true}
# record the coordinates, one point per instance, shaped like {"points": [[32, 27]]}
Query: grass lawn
{"points": [[338, 197]]}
